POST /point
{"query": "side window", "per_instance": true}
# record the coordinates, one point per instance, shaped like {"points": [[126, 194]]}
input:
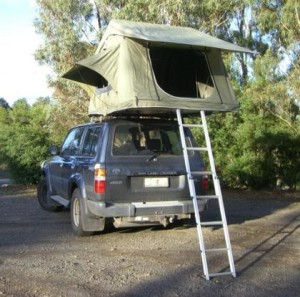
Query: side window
{"points": [[72, 142], [91, 140]]}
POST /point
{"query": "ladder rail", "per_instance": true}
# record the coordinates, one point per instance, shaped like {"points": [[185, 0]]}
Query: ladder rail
{"points": [[195, 198], [218, 193], [193, 195]]}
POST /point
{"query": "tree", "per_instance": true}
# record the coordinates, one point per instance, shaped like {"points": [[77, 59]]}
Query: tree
{"points": [[279, 68], [263, 149], [67, 30]]}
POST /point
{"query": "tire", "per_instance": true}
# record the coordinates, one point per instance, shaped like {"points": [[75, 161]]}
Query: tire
{"points": [[44, 199], [76, 214]]}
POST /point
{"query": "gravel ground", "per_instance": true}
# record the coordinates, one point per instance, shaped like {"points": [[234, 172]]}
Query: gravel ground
{"points": [[40, 256]]}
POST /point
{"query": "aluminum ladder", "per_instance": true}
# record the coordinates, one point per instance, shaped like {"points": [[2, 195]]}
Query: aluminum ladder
{"points": [[191, 176]]}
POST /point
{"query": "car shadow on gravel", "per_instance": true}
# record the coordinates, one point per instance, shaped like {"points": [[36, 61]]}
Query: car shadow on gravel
{"points": [[252, 276], [269, 243], [25, 224], [188, 281], [240, 210]]}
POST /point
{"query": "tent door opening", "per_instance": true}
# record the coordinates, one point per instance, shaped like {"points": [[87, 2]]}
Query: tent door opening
{"points": [[182, 72]]}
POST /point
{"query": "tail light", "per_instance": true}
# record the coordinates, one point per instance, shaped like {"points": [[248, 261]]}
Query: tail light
{"points": [[99, 179], [205, 183]]}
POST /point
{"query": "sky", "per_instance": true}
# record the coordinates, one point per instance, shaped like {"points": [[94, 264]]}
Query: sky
{"points": [[20, 75]]}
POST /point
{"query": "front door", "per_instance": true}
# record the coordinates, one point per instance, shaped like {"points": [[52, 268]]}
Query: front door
{"points": [[68, 157]]}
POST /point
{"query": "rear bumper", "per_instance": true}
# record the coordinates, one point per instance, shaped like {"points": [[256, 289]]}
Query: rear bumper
{"points": [[162, 208]]}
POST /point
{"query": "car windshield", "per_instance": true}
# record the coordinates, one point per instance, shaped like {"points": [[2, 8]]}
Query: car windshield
{"points": [[147, 139]]}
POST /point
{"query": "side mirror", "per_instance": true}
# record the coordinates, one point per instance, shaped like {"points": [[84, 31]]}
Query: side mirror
{"points": [[53, 150]]}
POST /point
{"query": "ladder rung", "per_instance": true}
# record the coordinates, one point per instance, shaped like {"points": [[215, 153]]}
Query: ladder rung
{"points": [[204, 149], [207, 197], [201, 173], [212, 223], [217, 250], [220, 273], [192, 125]]}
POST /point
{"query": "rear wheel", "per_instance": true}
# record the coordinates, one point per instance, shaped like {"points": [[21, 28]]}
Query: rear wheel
{"points": [[44, 197], [76, 214]]}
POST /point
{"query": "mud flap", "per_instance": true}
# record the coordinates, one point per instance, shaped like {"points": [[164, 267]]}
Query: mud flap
{"points": [[90, 223]]}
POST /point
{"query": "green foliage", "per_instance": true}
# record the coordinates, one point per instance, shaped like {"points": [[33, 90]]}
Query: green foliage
{"points": [[68, 37], [254, 148], [257, 147], [280, 19], [24, 139], [66, 28], [175, 12]]}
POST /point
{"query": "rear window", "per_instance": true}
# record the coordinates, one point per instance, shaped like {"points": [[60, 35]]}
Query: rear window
{"points": [[146, 139]]}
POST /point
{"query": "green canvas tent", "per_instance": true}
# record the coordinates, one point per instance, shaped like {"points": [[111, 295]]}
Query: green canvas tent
{"points": [[142, 68]]}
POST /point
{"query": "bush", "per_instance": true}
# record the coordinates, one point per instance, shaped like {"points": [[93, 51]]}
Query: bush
{"points": [[24, 139], [254, 149]]}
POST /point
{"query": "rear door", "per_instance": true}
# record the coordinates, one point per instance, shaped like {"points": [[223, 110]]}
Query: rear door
{"points": [[146, 163], [86, 160]]}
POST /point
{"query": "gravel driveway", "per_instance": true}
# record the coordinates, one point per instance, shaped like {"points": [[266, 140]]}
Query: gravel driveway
{"points": [[39, 255]]}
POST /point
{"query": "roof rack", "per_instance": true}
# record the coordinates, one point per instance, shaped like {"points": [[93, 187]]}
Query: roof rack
{"points": [[133, 116]]}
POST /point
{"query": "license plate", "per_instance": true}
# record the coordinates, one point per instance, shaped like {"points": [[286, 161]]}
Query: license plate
{"points": [[156, 182]]}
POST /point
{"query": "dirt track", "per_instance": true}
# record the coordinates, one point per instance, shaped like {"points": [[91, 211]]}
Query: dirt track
{"points": [[39, 255]]}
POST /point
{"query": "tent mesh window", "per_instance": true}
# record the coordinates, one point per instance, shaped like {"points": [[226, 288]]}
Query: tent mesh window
{"points": [[182, 72]]}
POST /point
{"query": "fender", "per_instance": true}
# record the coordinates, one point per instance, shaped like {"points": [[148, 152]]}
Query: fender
{"points": [[45, 173], [90, 222], [76, 181]]}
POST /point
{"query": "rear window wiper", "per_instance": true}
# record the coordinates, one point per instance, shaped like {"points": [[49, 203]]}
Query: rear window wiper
{"points": [[153, 157]]}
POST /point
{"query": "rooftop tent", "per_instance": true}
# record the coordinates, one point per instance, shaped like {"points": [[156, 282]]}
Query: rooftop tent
{"points": [[151, 69]]}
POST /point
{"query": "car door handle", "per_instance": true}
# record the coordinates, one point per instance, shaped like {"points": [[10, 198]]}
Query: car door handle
{"points": [[61, 164]]}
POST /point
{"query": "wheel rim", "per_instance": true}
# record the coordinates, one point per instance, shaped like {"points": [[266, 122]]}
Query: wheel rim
{"points": [[76, 212]]}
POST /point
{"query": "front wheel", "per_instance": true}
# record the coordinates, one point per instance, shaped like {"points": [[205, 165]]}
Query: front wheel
{"points": [[44, 197], [76, 214]]}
